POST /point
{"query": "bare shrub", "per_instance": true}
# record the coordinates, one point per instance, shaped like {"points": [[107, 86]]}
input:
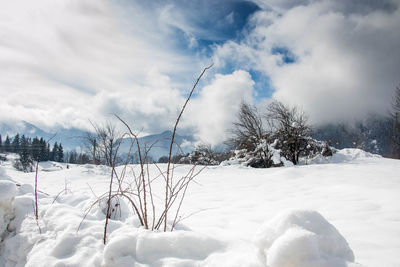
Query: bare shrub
{"points": [[248, 129], [137, 189]]}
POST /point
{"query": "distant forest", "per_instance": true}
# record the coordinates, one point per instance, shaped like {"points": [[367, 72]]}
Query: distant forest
{"points": [[38, 149], [374, 134]]}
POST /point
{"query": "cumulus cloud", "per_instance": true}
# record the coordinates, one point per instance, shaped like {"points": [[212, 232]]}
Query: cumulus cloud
{"points": [[214, 110], [343, 63]]}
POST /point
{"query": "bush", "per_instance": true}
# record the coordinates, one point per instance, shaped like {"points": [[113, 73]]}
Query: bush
{"points": [[24, 165], [288, 135]]}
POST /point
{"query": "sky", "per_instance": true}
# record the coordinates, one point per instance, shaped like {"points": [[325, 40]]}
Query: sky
{"points": [[65, 62]]}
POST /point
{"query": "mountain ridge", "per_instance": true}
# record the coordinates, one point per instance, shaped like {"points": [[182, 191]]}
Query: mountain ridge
{"points": [[73, 138]]}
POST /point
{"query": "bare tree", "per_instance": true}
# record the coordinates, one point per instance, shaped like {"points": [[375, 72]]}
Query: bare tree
{"points": [[248, 129], [108, 139], [91, 145], [291, 128]]}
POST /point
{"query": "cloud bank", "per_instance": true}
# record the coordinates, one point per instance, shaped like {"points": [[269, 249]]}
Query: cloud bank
{"points": [[338, 60]]}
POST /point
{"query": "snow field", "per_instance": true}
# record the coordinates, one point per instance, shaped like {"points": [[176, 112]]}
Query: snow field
{"points": [[240, 218]]}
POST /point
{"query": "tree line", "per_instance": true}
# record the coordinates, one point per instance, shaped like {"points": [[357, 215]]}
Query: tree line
{"points": [[38, 149]]}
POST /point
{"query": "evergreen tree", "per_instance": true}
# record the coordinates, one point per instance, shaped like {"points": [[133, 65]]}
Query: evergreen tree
{"points": [[15, 144], [1, 144], [72, 157], [83, 159], [48, 153], [35, 149], [25, 157], [44, 155], [7, 145], [53, 152], [60, 154]]}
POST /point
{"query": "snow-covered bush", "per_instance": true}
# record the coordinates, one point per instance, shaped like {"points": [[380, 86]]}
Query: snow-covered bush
{"points": [[302, 238], [263, 156], [267, 155], [287, 137], [203, 155]]}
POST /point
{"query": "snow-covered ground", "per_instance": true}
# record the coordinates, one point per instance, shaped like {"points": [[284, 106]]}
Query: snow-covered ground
{"points": [[339, 212]]}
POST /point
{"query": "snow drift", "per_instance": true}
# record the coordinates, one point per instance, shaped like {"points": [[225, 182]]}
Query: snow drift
{"points": [[302, 238], [8, 191]]}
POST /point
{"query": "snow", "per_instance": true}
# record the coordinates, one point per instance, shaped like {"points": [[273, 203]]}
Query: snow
{"points": [[158, 248], [8, 191], [302, 238], [340, 213]]}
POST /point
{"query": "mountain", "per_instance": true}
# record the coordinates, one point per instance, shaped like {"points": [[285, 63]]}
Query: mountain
{"points": [[21, 127], [72, 139], [160, 144], [374, 134]]}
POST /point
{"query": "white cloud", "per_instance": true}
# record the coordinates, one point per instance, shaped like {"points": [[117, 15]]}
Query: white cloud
{"points": [[214, 110], [347, 63], [64, 62]]}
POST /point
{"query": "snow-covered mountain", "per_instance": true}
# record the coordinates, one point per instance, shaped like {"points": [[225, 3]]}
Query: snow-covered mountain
{"points": [[160, 144], [71, 138]]}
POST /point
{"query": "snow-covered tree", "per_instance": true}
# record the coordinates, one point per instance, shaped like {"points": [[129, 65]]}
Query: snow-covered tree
{"points": [[291, 129]]}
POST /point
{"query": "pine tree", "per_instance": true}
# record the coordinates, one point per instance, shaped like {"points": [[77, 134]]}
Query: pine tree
{"points": [[15, 144], [25, 157], [7, 145], [53, 152], [1, 144], [72, 157], [48, 152], [35, 149], [60, 154], [44, 155]]}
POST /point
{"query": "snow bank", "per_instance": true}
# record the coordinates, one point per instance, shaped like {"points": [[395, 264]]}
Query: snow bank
{"points": [[129, 246], [8, 191], [351, 155], [302, 239], [3, 175], [346, 155]]}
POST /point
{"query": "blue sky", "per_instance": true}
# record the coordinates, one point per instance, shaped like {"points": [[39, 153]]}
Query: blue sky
{"points": [[70, 61]]}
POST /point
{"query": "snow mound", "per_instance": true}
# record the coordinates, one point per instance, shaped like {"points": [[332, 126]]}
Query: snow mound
{"points": [[302, 238], [118, 208], [352, 154], [346, 155], [130, 246], [3, 175], [49, 166], [8, 191]]}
